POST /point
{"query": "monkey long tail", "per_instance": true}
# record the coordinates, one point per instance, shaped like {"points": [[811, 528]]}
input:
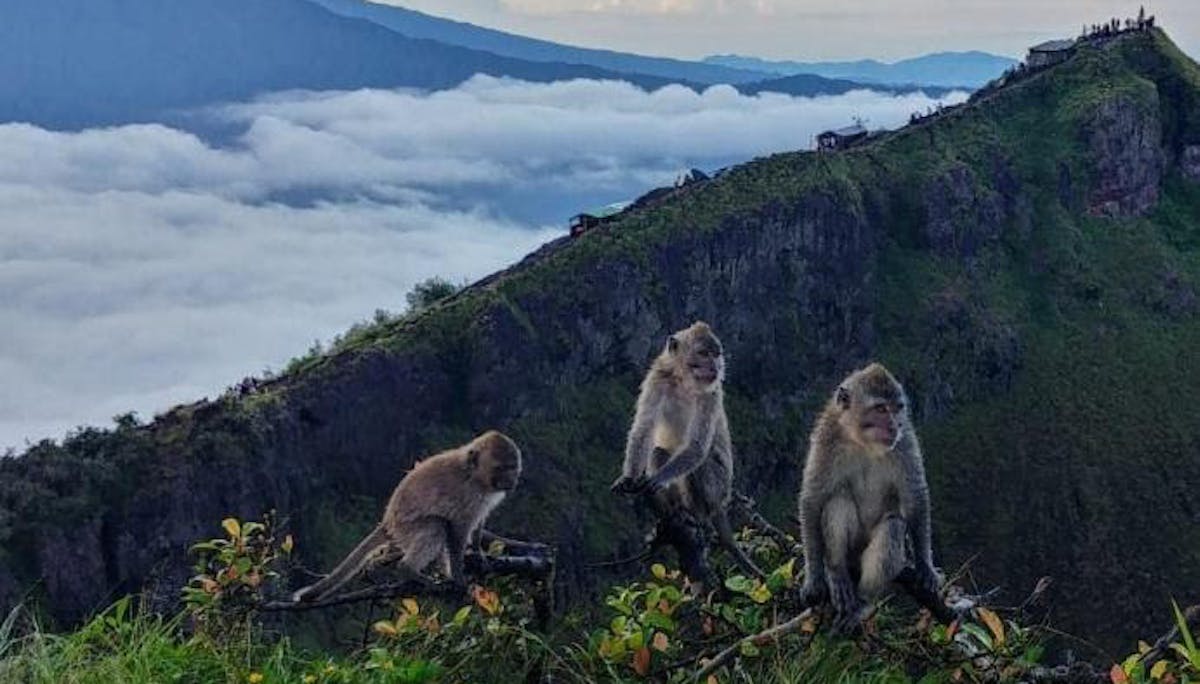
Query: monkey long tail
{"points": [[725, 534], [347, 570]]}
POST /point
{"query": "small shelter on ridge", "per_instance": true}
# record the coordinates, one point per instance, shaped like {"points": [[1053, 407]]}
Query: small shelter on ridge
{"points": [[841, 138], [1049, 52]]}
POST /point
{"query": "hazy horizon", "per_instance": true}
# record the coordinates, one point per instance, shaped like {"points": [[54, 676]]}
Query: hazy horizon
{"points": [[803, 30]]}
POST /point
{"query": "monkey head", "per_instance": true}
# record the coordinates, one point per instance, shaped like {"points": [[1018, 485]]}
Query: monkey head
{"points": [[494, 461], [698, 356], [874, 408]]}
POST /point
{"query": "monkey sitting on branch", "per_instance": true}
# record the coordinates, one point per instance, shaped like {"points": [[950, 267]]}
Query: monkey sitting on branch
{"points": [[434, 514], [679, 451], [864, 502]]}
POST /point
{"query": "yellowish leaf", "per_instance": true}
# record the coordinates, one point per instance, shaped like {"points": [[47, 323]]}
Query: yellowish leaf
{"points": [[384, 628], [488, 600], [993, 623], [760, 594], [255, 678], [660, 642], [712, 679], [1143, 647], [233, 527], [411, 606], [288, 544], [1158, 670], [659, 571]]}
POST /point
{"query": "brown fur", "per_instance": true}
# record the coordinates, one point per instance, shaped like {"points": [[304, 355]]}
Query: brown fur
{"points": [[864, 495], [434, 513], [679, 444]]}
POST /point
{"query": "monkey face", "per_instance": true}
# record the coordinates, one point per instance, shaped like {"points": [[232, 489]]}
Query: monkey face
{"points": [[880, 423], [506, 472], [873, 408], [699, 354], [496, 461]]}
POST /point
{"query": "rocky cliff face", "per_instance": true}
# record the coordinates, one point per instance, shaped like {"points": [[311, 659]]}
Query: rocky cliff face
{"points": [[1039, 344]]}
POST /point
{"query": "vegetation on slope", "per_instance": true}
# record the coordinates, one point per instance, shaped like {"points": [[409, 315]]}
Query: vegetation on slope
{"points": [[998, 258]]}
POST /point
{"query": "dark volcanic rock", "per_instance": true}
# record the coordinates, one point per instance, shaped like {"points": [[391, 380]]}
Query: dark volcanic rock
{"points": [[1125, 139]]}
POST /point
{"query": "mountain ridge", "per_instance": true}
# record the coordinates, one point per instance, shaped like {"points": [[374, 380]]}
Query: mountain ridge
{"points": [[963, 69], [1010, 260], [421, 25], [138, 60]]}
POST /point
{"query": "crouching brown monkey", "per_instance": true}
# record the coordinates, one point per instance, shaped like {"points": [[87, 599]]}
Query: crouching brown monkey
{"points": [[434, 514], [864, 499], [679, 447]]}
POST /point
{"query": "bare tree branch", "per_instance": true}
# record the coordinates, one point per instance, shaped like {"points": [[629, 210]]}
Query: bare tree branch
{"points": [[533, 567], [773, 634]]}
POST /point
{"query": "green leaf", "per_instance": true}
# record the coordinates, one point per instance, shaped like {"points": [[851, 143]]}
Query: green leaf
{"points": [[748, 649], [618, 624], [1130, 664], [739, 584], [1186, 634], [979, 633], [657, 619]]}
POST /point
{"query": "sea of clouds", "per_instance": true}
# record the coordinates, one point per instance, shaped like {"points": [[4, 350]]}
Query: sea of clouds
{"points": [[144, 265]]}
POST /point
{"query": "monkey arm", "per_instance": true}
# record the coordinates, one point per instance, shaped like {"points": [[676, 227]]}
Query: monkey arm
{"points": [[919, 526], [639, 443], [456, 543], [812, 537], [696, 449]]}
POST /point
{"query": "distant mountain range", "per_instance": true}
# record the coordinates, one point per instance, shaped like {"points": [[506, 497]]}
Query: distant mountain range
{"points": [[420, 25], [70, 64], [810, 85], [65, 63], [947, 69]]}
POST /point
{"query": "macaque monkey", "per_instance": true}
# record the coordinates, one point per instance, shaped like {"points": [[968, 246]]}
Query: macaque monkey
{"points": [[679, 447], [864, 502], [435, 513]]}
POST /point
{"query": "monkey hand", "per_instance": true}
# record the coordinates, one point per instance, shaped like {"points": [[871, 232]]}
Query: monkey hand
{"points": [[813, 592], [627, 484]]}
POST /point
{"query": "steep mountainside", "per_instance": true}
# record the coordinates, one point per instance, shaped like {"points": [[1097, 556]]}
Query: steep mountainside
{"points": [[1026, 263], [420, 25], [946, 69], [72, 64]]}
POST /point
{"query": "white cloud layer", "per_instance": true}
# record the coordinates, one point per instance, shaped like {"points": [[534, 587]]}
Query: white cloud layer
{"points": [[143, 266]]}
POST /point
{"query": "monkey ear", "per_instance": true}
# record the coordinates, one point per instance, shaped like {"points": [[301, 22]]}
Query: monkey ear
{"points": [[672, 344], [843, 397], [473, 458]]}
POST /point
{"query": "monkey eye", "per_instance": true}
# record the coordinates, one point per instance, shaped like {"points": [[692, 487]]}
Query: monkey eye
{"points": [[880, 408]]}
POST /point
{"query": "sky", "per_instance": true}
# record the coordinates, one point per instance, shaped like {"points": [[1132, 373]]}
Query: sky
{"points": [[144, 267], [808, 29]]}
